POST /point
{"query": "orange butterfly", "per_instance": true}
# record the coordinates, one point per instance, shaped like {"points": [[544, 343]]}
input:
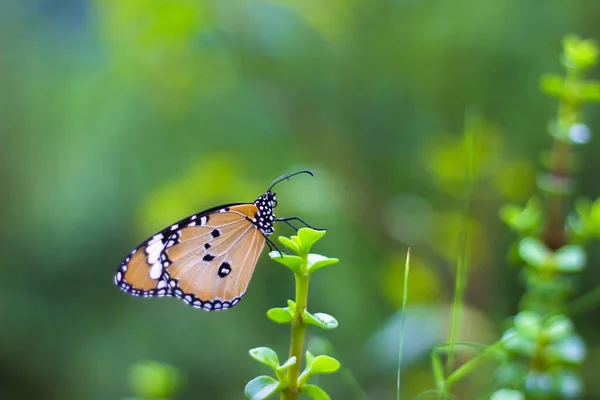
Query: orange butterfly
{"points": [[206, 259]]}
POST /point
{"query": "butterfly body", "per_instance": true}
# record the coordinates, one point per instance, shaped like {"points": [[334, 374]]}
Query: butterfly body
{"points": [[206, 259]]}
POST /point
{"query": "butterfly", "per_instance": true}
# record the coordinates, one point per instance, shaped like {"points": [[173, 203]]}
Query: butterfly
{"points": [[208, 258]]}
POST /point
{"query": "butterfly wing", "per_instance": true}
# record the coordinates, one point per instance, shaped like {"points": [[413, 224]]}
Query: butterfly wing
{"points": [[207, 259]]}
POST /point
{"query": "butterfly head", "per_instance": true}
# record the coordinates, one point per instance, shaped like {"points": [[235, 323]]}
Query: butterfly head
{"points": [[265, 217]]}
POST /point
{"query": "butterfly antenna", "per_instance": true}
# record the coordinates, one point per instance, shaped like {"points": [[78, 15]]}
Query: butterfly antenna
{"points": [[288, 176]]}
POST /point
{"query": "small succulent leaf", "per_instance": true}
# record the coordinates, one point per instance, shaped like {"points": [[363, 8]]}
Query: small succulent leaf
{"points": [[296, 240], [290, 244], [317, 261], [570, 258], [570, 350], [309, 360], [292, 262], [315, 392], [552, 85], [266, 356], [509, 213], [528, 323], [261, 387], [534, 252], [515, 343], [523, 220], [557, 328], [321, 320], [291, 305], [290, 361], [324, 365], [578, 53], [309, 236], [280, 315]]}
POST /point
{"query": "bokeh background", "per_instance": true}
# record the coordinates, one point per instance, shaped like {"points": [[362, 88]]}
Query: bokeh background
{"points": [[118, 117]]}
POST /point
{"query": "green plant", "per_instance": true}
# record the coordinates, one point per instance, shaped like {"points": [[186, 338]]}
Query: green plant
{"points": [[289, 381], [542, 348], [540, 353]]}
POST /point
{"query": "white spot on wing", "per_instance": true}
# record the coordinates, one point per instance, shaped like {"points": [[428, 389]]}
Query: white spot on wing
{"points": [[174, 227], [161, 285], [203, 220], [156, 271], [153, 257], [155, 238]]}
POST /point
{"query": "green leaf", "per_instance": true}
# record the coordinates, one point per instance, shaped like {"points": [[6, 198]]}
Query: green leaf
{"points": [[266, 356], [317, 365], [579, 54], [290, 361], [570, 350], [296, 240], [150, 379], [292, 262], [570, 258], [552, 85], [262, 387], [315, 392], [308, 237], [516, 343], [534, 252], [317, 261], [321, 320], [557, 328], [568, 384], [324, 365], [290, 244], [309, 359], [528, 323], [523, 220], [280, 315]]}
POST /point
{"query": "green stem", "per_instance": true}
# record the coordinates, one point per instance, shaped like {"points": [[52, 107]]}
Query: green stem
{"points": [[462, 263], [404, 300], [298, 332]]}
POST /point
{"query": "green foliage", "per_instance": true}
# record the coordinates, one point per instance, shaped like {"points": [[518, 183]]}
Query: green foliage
{"points": [[121, 117], [290, 382], [543, 350], [151, 380]]}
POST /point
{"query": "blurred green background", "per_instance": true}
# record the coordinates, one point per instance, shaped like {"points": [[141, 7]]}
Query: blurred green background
{"points": [[118, 117]]}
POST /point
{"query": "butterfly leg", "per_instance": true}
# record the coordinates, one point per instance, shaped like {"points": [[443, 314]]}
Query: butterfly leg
{"points": [[290, 224], [272, 246], [287, 221]]}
